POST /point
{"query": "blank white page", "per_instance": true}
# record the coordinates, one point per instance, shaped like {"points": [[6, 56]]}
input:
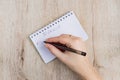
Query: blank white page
{"points": [[67, 24]]}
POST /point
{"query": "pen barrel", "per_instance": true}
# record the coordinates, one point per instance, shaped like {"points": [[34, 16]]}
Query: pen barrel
{"points": [[64, 47], [78, 52]]}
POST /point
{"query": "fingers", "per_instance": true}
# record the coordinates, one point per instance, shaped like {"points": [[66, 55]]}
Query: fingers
{"points": [[63, 39], [56, 52]]}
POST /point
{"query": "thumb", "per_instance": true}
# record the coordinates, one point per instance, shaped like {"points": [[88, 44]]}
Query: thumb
{"points": [[55, 51]]}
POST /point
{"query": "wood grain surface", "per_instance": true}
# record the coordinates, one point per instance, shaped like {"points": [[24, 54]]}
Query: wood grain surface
{"points": [[19, 60]]}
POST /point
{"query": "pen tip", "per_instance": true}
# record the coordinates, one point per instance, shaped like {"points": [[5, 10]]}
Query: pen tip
{"points": [[44, 41]]}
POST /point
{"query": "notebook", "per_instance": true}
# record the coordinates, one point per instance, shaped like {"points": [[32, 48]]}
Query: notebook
{"points": [[67, 24]]}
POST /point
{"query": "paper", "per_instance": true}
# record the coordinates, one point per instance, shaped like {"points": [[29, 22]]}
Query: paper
{"points": [[67, 24]]}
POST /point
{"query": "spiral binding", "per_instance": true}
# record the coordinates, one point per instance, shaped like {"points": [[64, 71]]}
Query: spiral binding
{"points": [[52, 24]]}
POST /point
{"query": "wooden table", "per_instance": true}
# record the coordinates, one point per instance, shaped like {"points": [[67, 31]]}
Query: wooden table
{"points": [[19, 59]]}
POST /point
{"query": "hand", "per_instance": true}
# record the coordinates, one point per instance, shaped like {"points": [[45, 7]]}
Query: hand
{"points": [[78, 63]]}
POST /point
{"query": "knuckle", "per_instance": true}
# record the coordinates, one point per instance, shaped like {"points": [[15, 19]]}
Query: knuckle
{"points": [[77, 40], [63, 35]]}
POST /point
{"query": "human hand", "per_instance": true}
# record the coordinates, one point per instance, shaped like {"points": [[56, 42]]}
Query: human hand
{"points": [[78, 63]]}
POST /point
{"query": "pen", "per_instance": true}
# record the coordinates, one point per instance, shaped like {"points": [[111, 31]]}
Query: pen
{"points": [[65, 48]]}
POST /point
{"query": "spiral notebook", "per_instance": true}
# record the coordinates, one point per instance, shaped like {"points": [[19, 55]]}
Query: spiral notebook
{"points": [[67, 24]]}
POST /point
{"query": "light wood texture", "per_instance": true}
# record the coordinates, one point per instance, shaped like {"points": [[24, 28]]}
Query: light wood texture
{"points": [[19, 59]]}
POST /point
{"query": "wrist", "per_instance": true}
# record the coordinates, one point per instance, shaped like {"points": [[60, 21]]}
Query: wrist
{"points": [[90, 74], [93, 75]]}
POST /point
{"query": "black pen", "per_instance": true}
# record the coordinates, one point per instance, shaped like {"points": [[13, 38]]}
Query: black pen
{"points": [[64, 47]]}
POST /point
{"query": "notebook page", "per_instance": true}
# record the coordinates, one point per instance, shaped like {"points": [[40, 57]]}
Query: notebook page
{"points": [[67, 24]]}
